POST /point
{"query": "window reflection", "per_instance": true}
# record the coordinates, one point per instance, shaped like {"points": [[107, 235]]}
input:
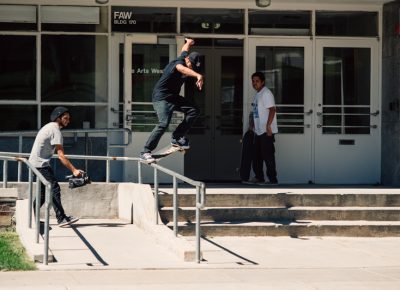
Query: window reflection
{"points": [[17, 67], [74, 68], [229, 21], [284, 76], [346, 90], [18, 117]]}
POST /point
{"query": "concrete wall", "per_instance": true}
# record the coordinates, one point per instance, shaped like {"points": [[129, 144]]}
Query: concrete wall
{"points": [[96, 200], [391, 94]]}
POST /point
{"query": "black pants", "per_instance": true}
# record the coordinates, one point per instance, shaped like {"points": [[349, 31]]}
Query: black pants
{"points": [[164, 111], [48, 173], [264, 151]]}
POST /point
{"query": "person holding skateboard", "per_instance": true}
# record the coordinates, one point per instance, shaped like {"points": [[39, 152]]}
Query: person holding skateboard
{"points": [[166, 100], [48, 140], [265, 127]]}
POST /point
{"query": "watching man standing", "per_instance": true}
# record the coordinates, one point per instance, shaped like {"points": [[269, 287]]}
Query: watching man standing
{"points": [[265, 127], [49, 140]]}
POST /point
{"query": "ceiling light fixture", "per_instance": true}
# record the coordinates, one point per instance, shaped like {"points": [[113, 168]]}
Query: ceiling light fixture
{"points": [[263, 3]]}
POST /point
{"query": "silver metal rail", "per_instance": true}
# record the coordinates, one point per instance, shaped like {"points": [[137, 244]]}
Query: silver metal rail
{"points": [[200, 189], [127, 140], [48, 199]]}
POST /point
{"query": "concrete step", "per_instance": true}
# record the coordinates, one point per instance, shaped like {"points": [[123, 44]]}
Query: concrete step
{"points": [[294, 229], [245, 214], [362, 198]]}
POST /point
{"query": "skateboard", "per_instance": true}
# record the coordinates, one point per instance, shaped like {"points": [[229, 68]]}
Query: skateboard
{"points": [[247, 155], [164, 152]]}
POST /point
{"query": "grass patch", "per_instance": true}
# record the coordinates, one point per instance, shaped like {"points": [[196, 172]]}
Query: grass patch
{"points": [[12, 254]]}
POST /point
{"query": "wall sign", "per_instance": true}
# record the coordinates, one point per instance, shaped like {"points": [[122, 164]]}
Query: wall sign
{"points": [[123, 19], [143, 19]]}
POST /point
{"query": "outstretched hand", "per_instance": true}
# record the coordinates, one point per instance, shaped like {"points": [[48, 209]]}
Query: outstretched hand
{"points": [[199, 82]]}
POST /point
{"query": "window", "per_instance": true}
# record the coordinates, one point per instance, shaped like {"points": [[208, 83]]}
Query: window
{"points": [[357, 23], [263, 22], [17, 67], [218, 21], [74, 68]]}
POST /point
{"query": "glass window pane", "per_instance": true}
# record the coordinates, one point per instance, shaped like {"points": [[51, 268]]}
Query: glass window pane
{"points": [[18, 117], [290, 119], [81, 116], [143, 19], [263, 22], [148, 62], [346, 76], [74, 68], [284, 72], [216, 21], [284, 76], [352, 23], [17, 67], [231, 110]]}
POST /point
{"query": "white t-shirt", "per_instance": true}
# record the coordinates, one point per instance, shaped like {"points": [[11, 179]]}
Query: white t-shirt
{"points": [[43, 147], [263, 100]]}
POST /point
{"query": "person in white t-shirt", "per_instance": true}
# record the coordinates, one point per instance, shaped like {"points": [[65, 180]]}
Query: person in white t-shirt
{"points": [[265, 127]]}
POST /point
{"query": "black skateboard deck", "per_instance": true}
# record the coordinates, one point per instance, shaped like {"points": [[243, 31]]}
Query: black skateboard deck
{"points": [[247, 155]]}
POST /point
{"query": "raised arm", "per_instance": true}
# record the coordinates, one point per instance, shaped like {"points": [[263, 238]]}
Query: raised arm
{"points": [[188, 43]]}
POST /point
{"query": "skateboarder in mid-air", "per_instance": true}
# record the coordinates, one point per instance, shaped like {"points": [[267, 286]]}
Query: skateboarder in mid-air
{"points": [[166, 100]]}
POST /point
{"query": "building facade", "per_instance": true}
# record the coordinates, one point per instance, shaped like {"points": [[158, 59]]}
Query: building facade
{"points": [[333, 67]]}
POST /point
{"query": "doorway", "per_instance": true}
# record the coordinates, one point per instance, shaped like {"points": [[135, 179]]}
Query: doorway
{"points": [[327, 99], [215, 138]]}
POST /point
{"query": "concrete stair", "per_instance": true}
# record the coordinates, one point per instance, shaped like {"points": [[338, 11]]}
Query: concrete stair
{"points": [[368, 213]]}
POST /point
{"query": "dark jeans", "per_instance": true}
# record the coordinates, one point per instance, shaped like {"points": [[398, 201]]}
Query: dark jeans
{"points": [[48, 173], [264, 151], [164, 110]]}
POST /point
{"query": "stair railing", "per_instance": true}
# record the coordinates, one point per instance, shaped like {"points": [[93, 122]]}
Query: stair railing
{"points": [[200, 190], [127, 140]]}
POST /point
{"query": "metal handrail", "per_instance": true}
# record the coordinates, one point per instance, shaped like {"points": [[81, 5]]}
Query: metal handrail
{"points": [[21, 134], [48, 199], [200, 187]]}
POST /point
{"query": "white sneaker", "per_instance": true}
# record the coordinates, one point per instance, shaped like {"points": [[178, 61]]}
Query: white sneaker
{"points": [[147, 157]]}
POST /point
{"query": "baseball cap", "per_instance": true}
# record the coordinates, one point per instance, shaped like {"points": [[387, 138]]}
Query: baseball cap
{"points": [[58, 112], [195, 60]]}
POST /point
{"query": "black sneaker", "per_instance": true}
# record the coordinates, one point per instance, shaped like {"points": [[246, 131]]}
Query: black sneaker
{"points": [[147, 157], [67, 220], [182, 143]]}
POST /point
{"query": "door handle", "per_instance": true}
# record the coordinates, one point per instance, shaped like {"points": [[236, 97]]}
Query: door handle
{"points": [[309, 112], [376, 113]]}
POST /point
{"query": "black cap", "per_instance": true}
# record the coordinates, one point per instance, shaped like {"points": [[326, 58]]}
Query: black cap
{"points": [[57, 112], [195, 60]]}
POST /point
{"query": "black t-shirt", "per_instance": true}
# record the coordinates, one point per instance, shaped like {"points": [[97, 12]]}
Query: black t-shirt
{"points": [[171, 81]]}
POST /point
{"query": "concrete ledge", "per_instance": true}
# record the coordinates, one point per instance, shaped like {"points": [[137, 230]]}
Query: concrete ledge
{"points": [[28, 236], [97, 200], [136, 204], [8, 193]]}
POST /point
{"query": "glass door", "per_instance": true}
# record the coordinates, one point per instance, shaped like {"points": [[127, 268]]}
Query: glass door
{"points": [[287, 65], [347, 142], [215, 138]]}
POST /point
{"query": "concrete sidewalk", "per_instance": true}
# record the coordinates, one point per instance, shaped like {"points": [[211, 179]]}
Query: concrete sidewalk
{"points": [[135, 261], [116, 244]]}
